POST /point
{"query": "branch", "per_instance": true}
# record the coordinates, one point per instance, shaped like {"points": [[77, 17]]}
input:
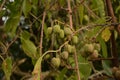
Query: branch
{"points": [[99, 59], [110, 12], [41, 37], [70, 14], [2, 5], [71, 26]]}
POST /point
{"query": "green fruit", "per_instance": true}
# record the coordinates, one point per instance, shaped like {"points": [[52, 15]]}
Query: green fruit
{"points": [[61, 33], [47, 56], [86, 18], [94, 54], [89, 48], [73, 49], [56, 61], [68, 47], [64, 55], [75, 39], [67, 31], [56, 28], [97, 46], [49, 30]]}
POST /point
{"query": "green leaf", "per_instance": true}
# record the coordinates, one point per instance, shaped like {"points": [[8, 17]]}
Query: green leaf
{"points": [[29, 48], [103, 46], [36, 71], [26, 8], [35, 2], [106, 67], [7, 67], [61, 75], [25, 35], [85, 67], [93, 32], [11, 25], [106, 34], [100, 5], [81, 13], [62, 2]]}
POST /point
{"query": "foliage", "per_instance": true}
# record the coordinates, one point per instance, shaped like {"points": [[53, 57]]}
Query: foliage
{"points": [[56, 39]]}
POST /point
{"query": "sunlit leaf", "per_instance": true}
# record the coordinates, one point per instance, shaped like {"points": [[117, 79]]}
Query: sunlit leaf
{"points": [[7, 67], [106, 34]]}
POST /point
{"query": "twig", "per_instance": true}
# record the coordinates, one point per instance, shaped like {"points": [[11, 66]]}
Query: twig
{"points": [[2, 5], [55, 51], [71, 26], [41, 37], [8, 45], [99, 59], [2, 58], [70, 14], [90, 11], [76, 65]]}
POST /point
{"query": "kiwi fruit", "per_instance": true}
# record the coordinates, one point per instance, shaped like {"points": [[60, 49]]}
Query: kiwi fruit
{"points": [[68, 48], [89, 47], [67, 31], [94, 55], [97, 46], [47, 56], [75, 39], [61, 33], [65, 54], [55, 61], [56, 28], [49, 30]]}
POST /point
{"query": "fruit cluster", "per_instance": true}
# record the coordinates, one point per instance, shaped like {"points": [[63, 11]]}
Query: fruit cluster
{"points": [[90, 50], [63, 56], [64, 34]]}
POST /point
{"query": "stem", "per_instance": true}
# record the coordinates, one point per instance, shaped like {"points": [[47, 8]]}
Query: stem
{"points": [[70, 14], [75, 53], [2, 5], [76, 65], [110, 12], [41, 37]]}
